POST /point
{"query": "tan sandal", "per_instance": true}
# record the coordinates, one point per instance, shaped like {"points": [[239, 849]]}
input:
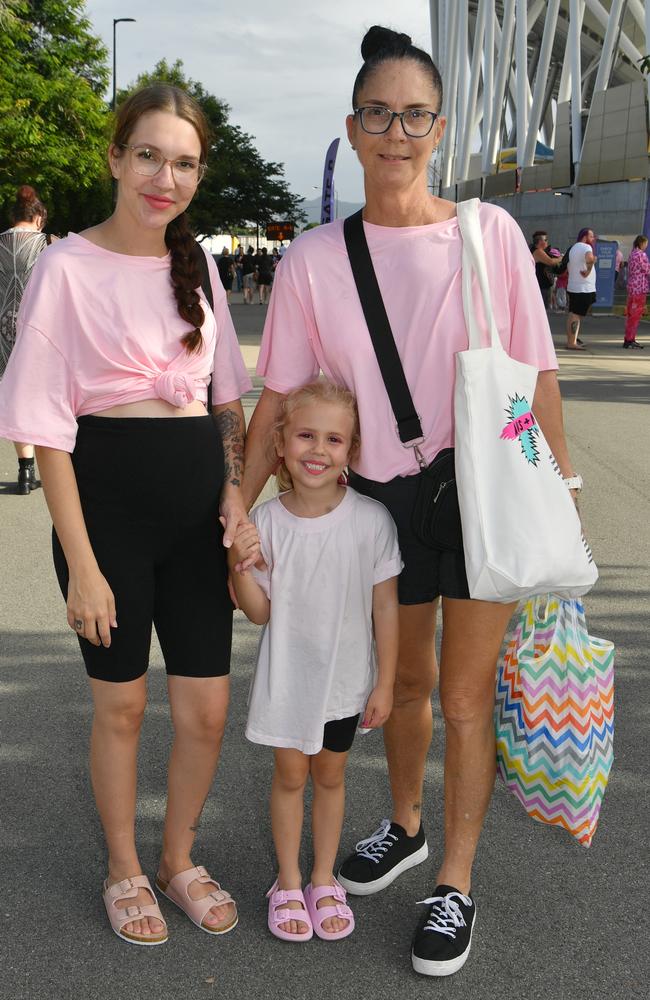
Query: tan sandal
{"points": [[128, 888], [197, 909]]}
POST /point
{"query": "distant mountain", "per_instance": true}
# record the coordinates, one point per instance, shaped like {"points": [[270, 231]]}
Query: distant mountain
{"points": [[343, 209]]}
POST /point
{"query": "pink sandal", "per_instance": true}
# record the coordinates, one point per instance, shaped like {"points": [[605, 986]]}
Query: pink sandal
{"points": [[314, 893], [197, 909], [119, 916], [276, 898]]}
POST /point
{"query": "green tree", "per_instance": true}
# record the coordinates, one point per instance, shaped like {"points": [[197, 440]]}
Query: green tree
{"points": [[240, 187], [53, 120]]}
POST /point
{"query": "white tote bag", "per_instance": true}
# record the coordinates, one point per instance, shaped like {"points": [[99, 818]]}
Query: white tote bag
{"points": [[521, 531]]}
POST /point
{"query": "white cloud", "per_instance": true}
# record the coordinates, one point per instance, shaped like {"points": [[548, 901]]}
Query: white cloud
{"points": [[286, 68]]}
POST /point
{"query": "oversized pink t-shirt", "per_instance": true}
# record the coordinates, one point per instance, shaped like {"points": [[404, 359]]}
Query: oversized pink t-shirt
{"points": [[315, 322], [96, 329]]}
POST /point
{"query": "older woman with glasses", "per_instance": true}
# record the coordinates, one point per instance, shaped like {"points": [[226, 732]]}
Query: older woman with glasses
{"points": [[116, 348], [315, 321]]}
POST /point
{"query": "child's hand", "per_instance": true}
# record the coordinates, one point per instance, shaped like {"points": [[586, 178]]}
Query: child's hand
{"points": [[378, 708], [245, 549]]}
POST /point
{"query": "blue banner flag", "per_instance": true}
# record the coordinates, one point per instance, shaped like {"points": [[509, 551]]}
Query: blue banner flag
{"points": [[327, 201]]}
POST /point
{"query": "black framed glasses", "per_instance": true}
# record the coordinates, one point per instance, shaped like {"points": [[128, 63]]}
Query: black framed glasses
{"points": [[416, 122], [149, 161]]}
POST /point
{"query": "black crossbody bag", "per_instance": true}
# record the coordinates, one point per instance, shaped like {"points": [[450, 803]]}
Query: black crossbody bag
{"points": [[436, 514], [206, 288]]}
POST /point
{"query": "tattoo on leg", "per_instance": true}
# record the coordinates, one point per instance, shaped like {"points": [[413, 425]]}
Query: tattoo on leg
{"points": [[575, 326], [417, 807], [232, 435], [195, 825]]}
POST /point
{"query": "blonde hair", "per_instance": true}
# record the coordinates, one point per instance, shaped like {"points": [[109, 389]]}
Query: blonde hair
{"points": [[319, 391]]}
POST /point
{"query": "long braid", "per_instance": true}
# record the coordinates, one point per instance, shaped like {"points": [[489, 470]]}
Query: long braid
{"points": [[186, 278]]}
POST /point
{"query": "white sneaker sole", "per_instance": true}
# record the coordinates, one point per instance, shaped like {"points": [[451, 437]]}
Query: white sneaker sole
{"points": [[426, 967], [368, 888]]}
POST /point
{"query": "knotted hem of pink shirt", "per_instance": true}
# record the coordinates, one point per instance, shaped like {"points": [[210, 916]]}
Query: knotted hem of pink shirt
{"points": [[175, 388]]}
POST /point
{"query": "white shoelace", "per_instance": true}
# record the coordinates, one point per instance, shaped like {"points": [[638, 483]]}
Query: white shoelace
{"points": [[375, 846], [446, 915]]}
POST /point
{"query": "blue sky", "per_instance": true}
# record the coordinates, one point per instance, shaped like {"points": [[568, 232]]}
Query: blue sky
{"points": [[285, 67]]}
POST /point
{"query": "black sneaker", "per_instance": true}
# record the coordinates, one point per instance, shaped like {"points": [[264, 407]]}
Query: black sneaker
{"points": [[378, 860], [443, 939]]}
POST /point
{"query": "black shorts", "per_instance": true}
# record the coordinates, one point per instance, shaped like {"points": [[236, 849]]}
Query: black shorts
{"points": [[581, 302], [338, 735], [149, 490], [428, 573], [264, 279]]}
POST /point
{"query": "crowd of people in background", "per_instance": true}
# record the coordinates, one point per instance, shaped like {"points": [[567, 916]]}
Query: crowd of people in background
{"points": [[249, 270], [567, 282]]}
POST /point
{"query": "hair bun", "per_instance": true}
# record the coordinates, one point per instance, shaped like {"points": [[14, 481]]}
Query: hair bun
{"points": [[26, 194], [378, 39]]}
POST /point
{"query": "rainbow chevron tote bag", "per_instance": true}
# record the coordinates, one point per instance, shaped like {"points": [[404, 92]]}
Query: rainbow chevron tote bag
{"points": [[554, 715]]}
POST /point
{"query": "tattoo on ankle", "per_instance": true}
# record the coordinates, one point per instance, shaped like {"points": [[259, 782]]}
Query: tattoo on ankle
{"points": [[417, 807], [195, 825]]}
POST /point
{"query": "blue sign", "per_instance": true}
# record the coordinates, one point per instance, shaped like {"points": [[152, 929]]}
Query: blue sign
{"points": [[605, 272]]}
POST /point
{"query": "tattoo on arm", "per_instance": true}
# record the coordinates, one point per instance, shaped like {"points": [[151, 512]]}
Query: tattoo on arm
{"points": [[233, 435]]}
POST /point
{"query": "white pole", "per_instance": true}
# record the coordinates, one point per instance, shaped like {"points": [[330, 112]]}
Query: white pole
{"points": [[521, 58], [605, 65], [503, 67], [462, 119], [474, 74], [488, 82], [452, 95], [540, 81], [625, 45], [435, 31], [575, 24], [647, 48]]}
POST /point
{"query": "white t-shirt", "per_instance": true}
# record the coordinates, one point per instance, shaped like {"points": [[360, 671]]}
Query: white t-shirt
{"points": [[577, 282], [316, 660]]}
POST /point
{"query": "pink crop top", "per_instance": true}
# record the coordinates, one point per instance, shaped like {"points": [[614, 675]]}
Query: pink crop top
{"points": [[96, 329]]}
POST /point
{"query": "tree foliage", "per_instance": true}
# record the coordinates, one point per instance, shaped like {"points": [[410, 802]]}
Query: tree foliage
{"points": [[240, 188], [53, 120]]}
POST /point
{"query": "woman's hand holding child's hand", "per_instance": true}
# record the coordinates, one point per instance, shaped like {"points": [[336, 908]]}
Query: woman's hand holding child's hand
{"points": [[378, 707], [245, 550]]}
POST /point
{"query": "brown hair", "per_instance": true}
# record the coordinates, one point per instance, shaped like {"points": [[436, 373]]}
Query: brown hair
{"points": [[185, 269], [639, 241], [319, 391], [27, 206]]}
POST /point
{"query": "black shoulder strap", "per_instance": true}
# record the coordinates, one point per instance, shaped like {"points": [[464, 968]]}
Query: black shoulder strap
{"points": [[390, 365], [206, 286]]}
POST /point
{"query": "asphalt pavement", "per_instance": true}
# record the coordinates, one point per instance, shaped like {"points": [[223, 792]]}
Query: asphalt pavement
{"points": [[554, 920]]}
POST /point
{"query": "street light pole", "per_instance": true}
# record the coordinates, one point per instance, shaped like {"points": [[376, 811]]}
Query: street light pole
{"points": [[116, 21]]}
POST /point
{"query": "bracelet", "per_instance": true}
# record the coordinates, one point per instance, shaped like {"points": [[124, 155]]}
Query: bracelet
{"points": [[573, 483]]}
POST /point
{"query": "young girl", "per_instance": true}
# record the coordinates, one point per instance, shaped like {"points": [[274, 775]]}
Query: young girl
{"points": [[331, 562]]}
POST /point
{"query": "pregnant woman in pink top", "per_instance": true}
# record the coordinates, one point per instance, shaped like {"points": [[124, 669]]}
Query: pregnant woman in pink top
{"points": [[116, 346], [315, 321]]}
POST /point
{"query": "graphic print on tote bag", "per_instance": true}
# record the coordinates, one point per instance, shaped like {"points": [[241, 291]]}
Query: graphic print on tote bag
{"points": [[523, 426]]}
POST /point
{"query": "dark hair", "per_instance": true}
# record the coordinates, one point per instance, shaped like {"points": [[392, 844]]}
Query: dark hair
{"points": [[27, 206], [185, 269], [639, 240], [583, 233], [537, 236], [381, 45]]}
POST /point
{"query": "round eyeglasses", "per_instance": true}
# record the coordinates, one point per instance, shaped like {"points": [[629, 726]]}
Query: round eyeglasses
{"points": [[148, 161], [416, 122]]}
